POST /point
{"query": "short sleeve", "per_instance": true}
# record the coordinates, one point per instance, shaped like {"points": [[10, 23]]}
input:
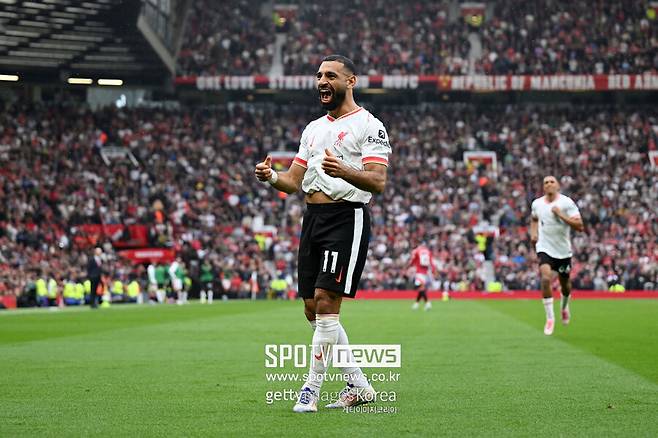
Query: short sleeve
{"points": [[304, 151], [376, 145], [534, 210], [572, 209]]}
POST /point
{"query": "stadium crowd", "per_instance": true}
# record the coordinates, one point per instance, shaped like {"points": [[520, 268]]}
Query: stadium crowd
{"points": [[194, 188], [570, 37], [413, 37], [600, 155], [223, 37]]}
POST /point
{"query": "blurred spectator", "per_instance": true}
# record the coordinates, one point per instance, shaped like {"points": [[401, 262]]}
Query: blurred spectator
{"points": [[94, 274]]}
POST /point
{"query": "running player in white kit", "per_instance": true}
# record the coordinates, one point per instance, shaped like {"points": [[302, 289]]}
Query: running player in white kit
{"points": [[554, 215]]}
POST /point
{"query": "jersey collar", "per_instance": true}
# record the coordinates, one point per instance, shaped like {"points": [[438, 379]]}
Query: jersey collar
{"points": [[331, 119], [557, 196]]}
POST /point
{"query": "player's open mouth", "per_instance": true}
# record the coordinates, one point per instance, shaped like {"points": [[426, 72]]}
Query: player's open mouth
{"points": [[326, 95]]}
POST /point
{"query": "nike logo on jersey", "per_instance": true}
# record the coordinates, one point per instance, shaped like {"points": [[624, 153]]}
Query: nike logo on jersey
{"points": [[340, 276]]}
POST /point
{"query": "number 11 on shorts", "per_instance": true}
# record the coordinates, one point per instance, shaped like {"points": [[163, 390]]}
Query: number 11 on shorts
{"points": [[334, 260]]}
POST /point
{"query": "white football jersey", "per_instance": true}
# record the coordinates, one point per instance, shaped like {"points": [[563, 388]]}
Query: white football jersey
{"points": [[151, 273], [554, 234], [357, 138]]}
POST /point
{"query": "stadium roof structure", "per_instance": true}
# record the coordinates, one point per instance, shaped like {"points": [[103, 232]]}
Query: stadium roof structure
{"points": [[50, 40]]}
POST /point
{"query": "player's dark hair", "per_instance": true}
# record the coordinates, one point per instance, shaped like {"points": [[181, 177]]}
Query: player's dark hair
{"points": [[347, 62]]}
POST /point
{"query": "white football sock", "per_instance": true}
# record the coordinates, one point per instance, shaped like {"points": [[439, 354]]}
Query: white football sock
{"points": [[210, 295], [565, 301], [548, 307], [202, 297], [324, 338], [353, 375]]}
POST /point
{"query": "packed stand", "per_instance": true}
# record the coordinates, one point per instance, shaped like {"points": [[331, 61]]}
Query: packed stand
{"points": [[227, 37], [195, 190], [380, 37], [191, 188], [599, 154], [414, 37], [573, 37]]}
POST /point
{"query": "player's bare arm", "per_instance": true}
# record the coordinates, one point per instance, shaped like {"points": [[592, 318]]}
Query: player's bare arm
{"points": [[534, 230], [576, 223], [372, 178], [288, 182]]}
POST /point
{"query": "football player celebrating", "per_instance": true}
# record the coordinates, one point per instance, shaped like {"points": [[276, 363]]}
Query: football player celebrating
{"points": [[342, 161]]}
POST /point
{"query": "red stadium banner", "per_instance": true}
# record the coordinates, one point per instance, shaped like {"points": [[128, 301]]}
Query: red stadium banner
{"points": [[121, 236], [8, 301], [475, 83], [281, 160], [475, 158], [149, 255]]}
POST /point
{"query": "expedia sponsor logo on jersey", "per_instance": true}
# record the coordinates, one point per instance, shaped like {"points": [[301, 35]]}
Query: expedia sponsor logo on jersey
{"points": [[378, 141]]}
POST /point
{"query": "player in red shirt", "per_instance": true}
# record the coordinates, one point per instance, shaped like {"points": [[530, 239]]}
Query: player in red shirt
{"points": [[423, 263]]}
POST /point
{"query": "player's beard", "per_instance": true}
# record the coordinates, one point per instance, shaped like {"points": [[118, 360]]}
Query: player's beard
{"points": [[337, 99]]}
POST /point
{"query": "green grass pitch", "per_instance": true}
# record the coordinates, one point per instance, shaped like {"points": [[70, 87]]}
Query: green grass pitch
{"points": [[469, 368]]}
